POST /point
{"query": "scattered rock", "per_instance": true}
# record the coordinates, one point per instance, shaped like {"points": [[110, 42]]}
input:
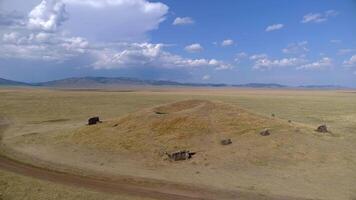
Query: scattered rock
{"points": [[289, 121], [180, 155], [115, 125], [273, 115], [93, 120], [160, 113], [322, 129], [265, 132], [226, 142]]}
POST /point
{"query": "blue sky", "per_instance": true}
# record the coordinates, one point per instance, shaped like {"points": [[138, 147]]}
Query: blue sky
{"points": [[289, 42]]}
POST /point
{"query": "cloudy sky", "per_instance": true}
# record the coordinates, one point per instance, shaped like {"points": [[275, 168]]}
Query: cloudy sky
{"points": [[296, 42]]}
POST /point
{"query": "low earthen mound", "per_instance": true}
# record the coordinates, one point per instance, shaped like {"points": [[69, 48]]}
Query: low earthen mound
{"points": [[180, 106], [195, 125]]}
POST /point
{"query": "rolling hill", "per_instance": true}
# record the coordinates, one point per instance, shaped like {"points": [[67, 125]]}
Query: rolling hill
{"points": [[112, 82], [6, 82]]}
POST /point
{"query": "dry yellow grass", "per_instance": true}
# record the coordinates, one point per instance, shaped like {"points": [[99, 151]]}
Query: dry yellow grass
{"points": [[197, 125], [294, 160]]}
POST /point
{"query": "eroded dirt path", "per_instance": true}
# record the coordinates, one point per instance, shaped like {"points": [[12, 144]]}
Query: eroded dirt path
{"points": [[155, 189], [135, 187]]}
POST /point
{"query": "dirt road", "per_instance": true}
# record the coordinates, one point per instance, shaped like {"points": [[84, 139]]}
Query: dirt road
{"points": [[134, 186], [155, 189]]}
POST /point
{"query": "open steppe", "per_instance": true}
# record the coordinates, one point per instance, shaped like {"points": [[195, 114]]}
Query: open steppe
{"points": [[47, 128]]}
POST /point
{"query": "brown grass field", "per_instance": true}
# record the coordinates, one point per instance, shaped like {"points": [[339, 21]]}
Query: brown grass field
{"points": [[47, 128]]}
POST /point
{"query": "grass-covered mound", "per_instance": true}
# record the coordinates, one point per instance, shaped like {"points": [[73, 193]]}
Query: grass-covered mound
{"points": [[192, 124]]}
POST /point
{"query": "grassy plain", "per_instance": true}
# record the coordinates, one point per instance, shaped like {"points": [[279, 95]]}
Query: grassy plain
{"points": [[324, 166]]}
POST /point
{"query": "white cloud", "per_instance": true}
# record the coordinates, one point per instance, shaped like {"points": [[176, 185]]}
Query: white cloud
{"points": [[193, 48], [183, 21], [47, 16], [345, 51], [351, 62], [258, 56], [54, 47], [240, 56], [296, 48], [114, 20], [206, 77], [42, 40], [334, 41], [318, 17], [75, 44], [320, 64], [227, 42], [10, 37], [274, 27], [266, 63], [150, 55], [11, 19], [41, 46]]}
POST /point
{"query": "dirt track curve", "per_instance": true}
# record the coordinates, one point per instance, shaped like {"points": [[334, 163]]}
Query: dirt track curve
{"points": [[130, 185]]}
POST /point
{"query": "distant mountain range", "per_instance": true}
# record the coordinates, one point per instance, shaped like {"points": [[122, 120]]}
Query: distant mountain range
{"points": [[101, 82], [5, 82]]}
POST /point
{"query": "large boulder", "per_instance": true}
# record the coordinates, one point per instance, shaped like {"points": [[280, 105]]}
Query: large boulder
{"points": [[93, 120], [226, 142], [322, 129], [265, 132]]}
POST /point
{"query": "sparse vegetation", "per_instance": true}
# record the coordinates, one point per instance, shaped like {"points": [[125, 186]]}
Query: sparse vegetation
{"points": [[51, 124]]}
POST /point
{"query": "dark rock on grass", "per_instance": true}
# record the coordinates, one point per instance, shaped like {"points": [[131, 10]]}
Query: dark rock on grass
{"points": [[93, 120], [226, 142], [160, 113], [180, 155], [322, 129], [265, 132]]}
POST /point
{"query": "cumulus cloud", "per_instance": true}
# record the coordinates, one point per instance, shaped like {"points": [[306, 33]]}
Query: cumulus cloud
{"points": [[258, 56], [41, 46], [129, 20], [317, 65], [10, 37], [193, 48], [44, 35], [183, 21], [296, 48], [47, 16], [351, 62], [274, 27], [227, 42], [206, 77], [345, 51], [319, 17], [11, 19], [266, 63], [53, 47], [240, 56], [150, 55]]}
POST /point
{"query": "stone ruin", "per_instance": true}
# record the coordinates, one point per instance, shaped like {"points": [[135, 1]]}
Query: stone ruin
{"points": [[226, 142], [322, 129], [93, 120], [180, 155], [265, 132]]}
